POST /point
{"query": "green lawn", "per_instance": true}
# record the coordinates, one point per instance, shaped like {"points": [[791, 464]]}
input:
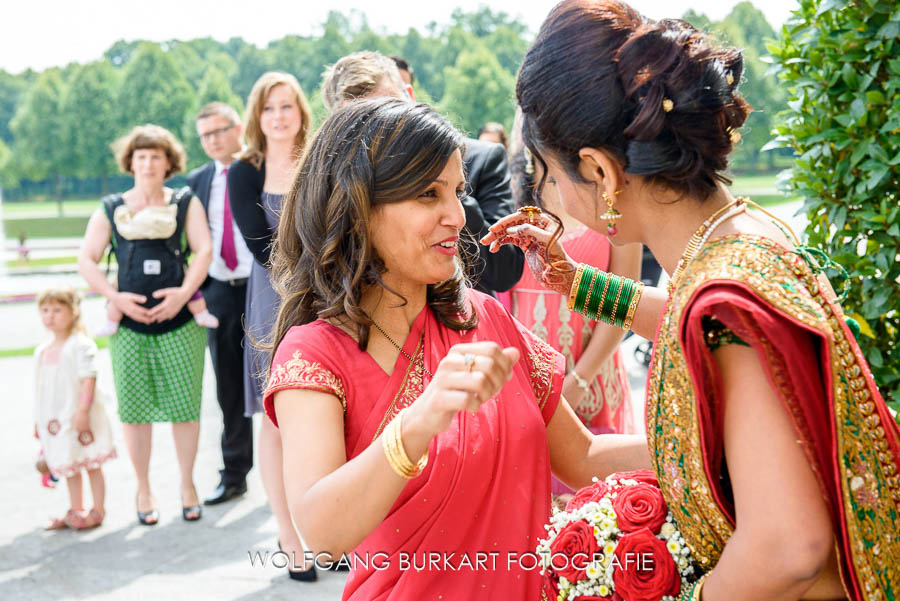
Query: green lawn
{"points": [[45, 227], [42, 262], [27, 351], [76, 207], [753, 182]]}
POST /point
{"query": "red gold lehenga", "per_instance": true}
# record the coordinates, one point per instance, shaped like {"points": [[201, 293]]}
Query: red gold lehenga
{"points": [[771, 299]]}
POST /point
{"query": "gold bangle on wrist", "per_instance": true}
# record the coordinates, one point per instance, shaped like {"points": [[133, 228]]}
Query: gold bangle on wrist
{"points": [[632, 307], [698, 588], [392, 443], [573, 291]]}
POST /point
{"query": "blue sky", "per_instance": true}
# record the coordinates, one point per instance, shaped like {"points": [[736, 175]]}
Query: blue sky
{"points": [[40, 34]]}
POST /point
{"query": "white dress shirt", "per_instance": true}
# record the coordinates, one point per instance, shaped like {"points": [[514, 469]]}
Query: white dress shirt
{"points": [[217, 268]]}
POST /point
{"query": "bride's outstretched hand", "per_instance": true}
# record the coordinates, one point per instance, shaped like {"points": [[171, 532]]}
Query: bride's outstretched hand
{"points": [[532, 232]]}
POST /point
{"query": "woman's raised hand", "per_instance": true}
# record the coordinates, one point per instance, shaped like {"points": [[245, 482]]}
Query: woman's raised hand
{"points": [[467, 377], [532, 232]]}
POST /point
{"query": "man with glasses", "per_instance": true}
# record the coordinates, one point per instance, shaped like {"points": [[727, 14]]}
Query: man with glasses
{"points": [[225, 290]]}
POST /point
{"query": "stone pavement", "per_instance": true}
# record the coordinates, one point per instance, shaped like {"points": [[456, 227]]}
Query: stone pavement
{"points": [[122, 560]]}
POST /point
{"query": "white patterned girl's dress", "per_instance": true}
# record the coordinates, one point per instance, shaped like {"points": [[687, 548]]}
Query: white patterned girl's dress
{"points": [[58, 375]]}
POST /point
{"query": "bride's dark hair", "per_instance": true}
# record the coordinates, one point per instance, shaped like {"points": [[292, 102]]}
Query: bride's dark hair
{"points": [[368, 153], [660, 96]]}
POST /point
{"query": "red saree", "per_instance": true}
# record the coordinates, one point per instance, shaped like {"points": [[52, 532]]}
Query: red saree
{"points": [[770, 298], [486, 489]]}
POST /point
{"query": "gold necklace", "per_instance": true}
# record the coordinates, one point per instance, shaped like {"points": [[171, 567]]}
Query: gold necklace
{"points": [[696, 242], [400, 348]]}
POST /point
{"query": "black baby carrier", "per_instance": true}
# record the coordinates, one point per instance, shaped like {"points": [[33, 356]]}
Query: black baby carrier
{"points": [[149, 265]]}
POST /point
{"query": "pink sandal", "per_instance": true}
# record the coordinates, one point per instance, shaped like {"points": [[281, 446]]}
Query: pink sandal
{"points": [[60, 523], [84, 521]]}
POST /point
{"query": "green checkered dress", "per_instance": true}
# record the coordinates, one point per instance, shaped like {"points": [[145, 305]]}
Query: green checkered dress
{"points": [[159, 377]]}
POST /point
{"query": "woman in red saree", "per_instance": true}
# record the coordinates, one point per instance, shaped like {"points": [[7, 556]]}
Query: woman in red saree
{"points": [[773, 447], [380, 340]]}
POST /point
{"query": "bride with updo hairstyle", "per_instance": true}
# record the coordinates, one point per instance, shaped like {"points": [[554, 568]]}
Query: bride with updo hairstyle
{"points": [[773, 446]]}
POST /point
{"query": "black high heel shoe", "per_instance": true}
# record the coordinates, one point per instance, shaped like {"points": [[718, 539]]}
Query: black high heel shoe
{"points": [[307, 575], [193, 512], [150, 518]]}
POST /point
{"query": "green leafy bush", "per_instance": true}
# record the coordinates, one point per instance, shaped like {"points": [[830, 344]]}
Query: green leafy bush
{"points": [[841, 63]]}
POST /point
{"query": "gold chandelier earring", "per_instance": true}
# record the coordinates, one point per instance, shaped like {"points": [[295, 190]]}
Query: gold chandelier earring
{"points": [[611, 216]]}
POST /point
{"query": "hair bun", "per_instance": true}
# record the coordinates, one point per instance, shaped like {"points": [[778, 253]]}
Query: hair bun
{"points": [[660, 95]]}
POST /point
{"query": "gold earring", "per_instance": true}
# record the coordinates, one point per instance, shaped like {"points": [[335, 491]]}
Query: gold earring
{"points": [[611, 216]]}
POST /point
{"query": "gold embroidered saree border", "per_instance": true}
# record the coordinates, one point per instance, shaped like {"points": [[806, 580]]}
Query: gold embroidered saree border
{"points": [[411, 386], [868, 472]]}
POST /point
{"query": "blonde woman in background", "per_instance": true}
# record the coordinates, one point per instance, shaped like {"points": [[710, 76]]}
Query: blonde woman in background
{"points": [[276, 126]]}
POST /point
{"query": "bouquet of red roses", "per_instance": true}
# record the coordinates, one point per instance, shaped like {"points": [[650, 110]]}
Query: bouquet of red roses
{"points": [[616, 541]]}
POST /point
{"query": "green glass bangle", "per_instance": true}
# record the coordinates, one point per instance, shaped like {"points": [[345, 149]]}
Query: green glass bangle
{"points": [[609, 299], [621, 309], [595, 314], [597, 297], [586, 276]]}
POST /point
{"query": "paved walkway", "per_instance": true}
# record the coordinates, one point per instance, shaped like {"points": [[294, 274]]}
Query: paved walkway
{"points": [[122, 560]]}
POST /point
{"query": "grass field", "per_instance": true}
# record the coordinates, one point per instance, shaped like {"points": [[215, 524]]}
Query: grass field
{"points": [[72, 208], [45, 227], [27, 351]]}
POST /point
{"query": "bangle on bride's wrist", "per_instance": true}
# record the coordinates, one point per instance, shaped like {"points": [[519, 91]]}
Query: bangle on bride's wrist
{"points": [[609, 296], [590, 288], [576, 284], [621, 308], [632, 306], [591, 310]]}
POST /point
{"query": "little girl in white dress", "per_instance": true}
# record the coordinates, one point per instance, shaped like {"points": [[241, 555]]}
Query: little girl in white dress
{"points": [[69, 420]]}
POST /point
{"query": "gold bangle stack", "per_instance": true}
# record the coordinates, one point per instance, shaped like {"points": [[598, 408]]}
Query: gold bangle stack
{"points": [[392, 442], [632, 307], [573, 291]]}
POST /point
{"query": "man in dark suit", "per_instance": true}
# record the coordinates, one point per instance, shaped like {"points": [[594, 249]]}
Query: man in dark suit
{"points": [[489, 197], [225, 291]]}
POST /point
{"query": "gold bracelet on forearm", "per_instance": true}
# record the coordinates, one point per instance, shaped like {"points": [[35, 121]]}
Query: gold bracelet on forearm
{"points": [[392, 443]]}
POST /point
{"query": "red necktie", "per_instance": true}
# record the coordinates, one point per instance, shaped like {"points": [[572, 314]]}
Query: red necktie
{"points": [[228, 252]]}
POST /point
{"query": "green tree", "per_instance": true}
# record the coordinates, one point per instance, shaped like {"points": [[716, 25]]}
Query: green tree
{"points": [[214, 87], [121, 52], [251, 63], [478, 90], [154, 90], [39, 132], [293, 54], [746, 28], [839, 62], [8, 177], [11, 90], [90, 121]]}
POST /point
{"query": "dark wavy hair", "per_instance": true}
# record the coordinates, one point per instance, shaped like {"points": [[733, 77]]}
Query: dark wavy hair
{"points": [[370, 152], [597, 76]]}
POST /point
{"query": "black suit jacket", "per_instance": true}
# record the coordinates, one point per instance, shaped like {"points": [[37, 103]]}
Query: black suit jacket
{"points": [[200, 182], [489, 198]]}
